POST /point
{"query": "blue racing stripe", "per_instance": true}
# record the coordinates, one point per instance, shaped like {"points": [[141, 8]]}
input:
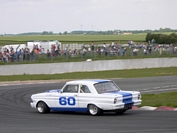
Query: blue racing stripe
{"points": [[99, 80], [70, 109], [127, 98]]}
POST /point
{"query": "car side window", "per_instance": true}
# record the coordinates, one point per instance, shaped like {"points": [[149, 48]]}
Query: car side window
{"points": [[71, 89], [84, 89]]}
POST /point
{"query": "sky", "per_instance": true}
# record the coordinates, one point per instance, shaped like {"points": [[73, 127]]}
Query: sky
{"points": [[21, 16]]}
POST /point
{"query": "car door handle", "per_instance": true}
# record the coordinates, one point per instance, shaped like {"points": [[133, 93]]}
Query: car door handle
{"points": [[75, 95]]}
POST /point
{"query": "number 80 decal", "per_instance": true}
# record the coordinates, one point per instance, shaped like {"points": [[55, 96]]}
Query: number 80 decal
{"points": [[64, 101]]}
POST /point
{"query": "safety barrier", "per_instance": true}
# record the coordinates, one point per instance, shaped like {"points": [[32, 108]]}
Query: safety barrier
{"points": [[56, 68]]}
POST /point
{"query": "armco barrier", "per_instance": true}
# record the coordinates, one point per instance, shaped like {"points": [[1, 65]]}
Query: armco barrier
{"points": [[54, 68]]}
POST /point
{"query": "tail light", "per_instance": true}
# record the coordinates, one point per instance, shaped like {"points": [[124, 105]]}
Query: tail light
{"points": [[139, 96], [115, 100]]}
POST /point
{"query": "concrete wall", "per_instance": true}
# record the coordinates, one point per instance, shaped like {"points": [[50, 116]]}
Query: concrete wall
{"points": [[54, 68]]}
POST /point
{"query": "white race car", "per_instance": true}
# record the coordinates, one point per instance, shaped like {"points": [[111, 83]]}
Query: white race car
{"points": [[91, 95]]}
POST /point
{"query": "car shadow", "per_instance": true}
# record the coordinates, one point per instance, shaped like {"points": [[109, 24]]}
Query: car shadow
{"points": [[87, 114]]}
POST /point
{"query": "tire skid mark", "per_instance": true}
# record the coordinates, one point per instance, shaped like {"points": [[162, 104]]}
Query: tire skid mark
{"points": [[16, 103]]}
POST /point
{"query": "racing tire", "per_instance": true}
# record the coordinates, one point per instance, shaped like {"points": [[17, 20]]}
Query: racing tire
{"points": [[42, 108], [94, 110], [118, 112]]}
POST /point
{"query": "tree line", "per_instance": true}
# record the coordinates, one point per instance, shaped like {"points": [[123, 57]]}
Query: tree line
{"points": [[162, 38], [92, 32]]}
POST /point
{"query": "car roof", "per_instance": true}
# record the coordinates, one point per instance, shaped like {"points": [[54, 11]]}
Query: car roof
{"points": [[90, 81]]}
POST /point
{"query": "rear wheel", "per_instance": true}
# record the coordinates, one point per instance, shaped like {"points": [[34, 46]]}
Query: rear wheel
{"points": [[42, 108], [94, 110]]}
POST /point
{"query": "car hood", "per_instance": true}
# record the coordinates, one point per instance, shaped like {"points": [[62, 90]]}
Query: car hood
{"points": [[52, 91], [46, 93]]}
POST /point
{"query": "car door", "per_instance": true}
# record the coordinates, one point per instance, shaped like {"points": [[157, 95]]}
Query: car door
{"points": [[85, 97], [68, 98]]}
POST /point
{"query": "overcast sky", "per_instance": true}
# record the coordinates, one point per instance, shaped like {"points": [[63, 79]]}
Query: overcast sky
{"points": [[19, 16]]}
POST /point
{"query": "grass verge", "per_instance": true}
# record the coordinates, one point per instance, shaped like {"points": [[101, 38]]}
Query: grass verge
{"points": [[131, 73], [162, 99]]}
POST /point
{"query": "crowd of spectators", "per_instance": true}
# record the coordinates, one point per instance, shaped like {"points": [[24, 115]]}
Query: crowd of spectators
{"points": [[11, 55], [149, 48], [23, 54], [99, 49]]}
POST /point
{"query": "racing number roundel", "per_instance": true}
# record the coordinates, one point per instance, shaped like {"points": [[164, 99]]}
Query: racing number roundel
{"points": [[67, 101]]}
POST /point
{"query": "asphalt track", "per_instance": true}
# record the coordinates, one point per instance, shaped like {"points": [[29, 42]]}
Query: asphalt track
{"points": [[16, 115]]}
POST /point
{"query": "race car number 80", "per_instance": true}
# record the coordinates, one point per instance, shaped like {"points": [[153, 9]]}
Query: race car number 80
{"points": [[67, 101]]}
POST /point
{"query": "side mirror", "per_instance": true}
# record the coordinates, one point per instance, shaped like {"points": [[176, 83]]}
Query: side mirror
{"points": [[61, 91]]}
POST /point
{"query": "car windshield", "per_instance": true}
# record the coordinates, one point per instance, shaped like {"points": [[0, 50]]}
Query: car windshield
{"points": [[105, 87]]}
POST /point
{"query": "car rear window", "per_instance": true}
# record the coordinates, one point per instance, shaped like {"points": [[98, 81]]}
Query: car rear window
{"points": [[105, 87]]}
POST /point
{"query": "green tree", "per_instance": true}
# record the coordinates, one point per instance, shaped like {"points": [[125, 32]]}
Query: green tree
{"points": [[148, 37], [65, 33]]}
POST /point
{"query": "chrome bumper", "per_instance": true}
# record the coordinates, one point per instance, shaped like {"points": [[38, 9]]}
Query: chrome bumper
{"points": [[33, 105]]}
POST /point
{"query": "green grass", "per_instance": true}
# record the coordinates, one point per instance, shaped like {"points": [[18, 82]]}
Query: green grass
{"points": [[98, 39], [163, 99], [132, 73], [75, 38]]}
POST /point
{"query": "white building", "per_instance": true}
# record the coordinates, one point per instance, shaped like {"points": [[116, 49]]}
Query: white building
{"points": [[45, 45]]}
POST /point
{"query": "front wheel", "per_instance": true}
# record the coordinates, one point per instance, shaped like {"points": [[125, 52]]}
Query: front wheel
{"points": [[94, 110], [42, 108]]}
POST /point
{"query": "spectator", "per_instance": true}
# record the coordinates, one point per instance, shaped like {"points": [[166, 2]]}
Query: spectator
{"points": [[39, 50], [160, 50], [1, 55], [48, 53], [99, 51], [11, 49], [145, 51], [5, 56], [89, 50], [22, 53], [106, 51], [135, 51], [112, 45], [35, 54], [59, 51], [84, 51], [7, 51], [104, 46], [12, 54], [19, 53], [92, 47], [42, 51]]}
